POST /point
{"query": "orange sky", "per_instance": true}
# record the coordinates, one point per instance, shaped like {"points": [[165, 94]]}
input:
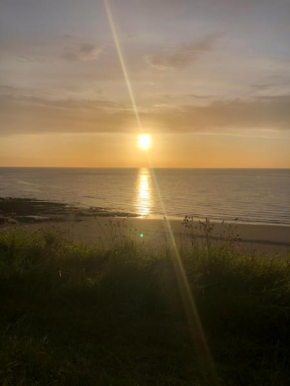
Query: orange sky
{"points": [[211, 92], [121, 150]]}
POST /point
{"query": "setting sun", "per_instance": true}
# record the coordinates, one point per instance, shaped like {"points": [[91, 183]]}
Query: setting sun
{"points": [[144, 141]]}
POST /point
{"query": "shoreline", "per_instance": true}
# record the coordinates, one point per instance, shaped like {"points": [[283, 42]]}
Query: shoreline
{"points": [[48, 210], [31, 210], [271, 240], [213, 220], [86, 225]]}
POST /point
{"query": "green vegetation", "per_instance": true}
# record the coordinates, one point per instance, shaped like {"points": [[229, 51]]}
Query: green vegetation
{"points": [[74, 315]]}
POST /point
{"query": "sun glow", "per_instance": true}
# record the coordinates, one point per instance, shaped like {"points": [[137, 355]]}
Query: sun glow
{"points": [[144, 141]]}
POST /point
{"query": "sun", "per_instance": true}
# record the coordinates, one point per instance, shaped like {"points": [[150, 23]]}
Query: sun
{"points": [[144, 141]]}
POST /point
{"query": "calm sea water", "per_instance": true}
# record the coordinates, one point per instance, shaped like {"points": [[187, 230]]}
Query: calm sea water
{"points": [[261, 196]]}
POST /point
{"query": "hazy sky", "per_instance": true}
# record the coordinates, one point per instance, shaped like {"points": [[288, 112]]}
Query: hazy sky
{"points": [[211, 79]]}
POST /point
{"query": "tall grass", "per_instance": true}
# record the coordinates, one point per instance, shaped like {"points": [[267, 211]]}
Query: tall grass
{"points": [[76, 315]]}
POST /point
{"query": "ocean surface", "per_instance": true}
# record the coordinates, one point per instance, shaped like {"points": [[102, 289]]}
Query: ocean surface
{"points": [[253, 196]]}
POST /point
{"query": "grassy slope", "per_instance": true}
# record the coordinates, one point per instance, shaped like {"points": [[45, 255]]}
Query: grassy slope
{"points": [[71, 315]]}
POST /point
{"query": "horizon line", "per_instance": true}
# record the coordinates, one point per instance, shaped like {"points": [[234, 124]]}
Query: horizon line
{"points": [[143, 167]]}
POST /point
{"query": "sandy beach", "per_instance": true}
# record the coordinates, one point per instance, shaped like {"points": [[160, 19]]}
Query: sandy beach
{"points": [[95, 225], [155, 232]]}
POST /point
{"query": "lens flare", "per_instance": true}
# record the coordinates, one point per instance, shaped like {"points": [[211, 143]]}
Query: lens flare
{"points": [[194, 321]]}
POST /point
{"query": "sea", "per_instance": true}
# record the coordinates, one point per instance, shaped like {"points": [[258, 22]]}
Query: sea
{"points": [[242, 195]]}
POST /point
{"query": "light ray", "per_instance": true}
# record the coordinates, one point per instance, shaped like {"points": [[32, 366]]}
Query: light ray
{"points": [[194, 321], [122, 62], [195, 325]]}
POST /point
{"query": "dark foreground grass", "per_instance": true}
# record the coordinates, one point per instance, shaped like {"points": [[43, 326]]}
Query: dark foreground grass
{"points": [[73, 315]]}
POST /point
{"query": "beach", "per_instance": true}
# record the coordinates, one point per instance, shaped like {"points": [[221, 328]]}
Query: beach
{"points": [[91, 296], [88, 297], [270, 239], [95, 225]]}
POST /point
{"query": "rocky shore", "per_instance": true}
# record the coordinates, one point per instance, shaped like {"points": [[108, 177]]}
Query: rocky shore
{"points": [[28, 210]]}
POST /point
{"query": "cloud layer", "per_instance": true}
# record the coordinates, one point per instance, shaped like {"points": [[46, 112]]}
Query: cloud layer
{"points": [[182, 55], [31, 114], [85, 52]]}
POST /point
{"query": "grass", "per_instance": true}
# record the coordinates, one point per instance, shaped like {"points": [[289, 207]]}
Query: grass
{"points": [[75, 315]]}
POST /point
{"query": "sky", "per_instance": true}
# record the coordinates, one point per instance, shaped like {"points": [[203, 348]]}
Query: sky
{"points": [[211, 81]]}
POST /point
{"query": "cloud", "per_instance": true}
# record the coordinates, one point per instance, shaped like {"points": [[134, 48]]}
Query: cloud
{"points": [[195, 96], [85, 52], [25, 114], [261, 86], [48, 50], [181, 56], [30, 114], [272, 112]]}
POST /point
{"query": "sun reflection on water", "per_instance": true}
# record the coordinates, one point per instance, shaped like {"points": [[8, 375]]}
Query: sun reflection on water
{"points": [[144, 192]]}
